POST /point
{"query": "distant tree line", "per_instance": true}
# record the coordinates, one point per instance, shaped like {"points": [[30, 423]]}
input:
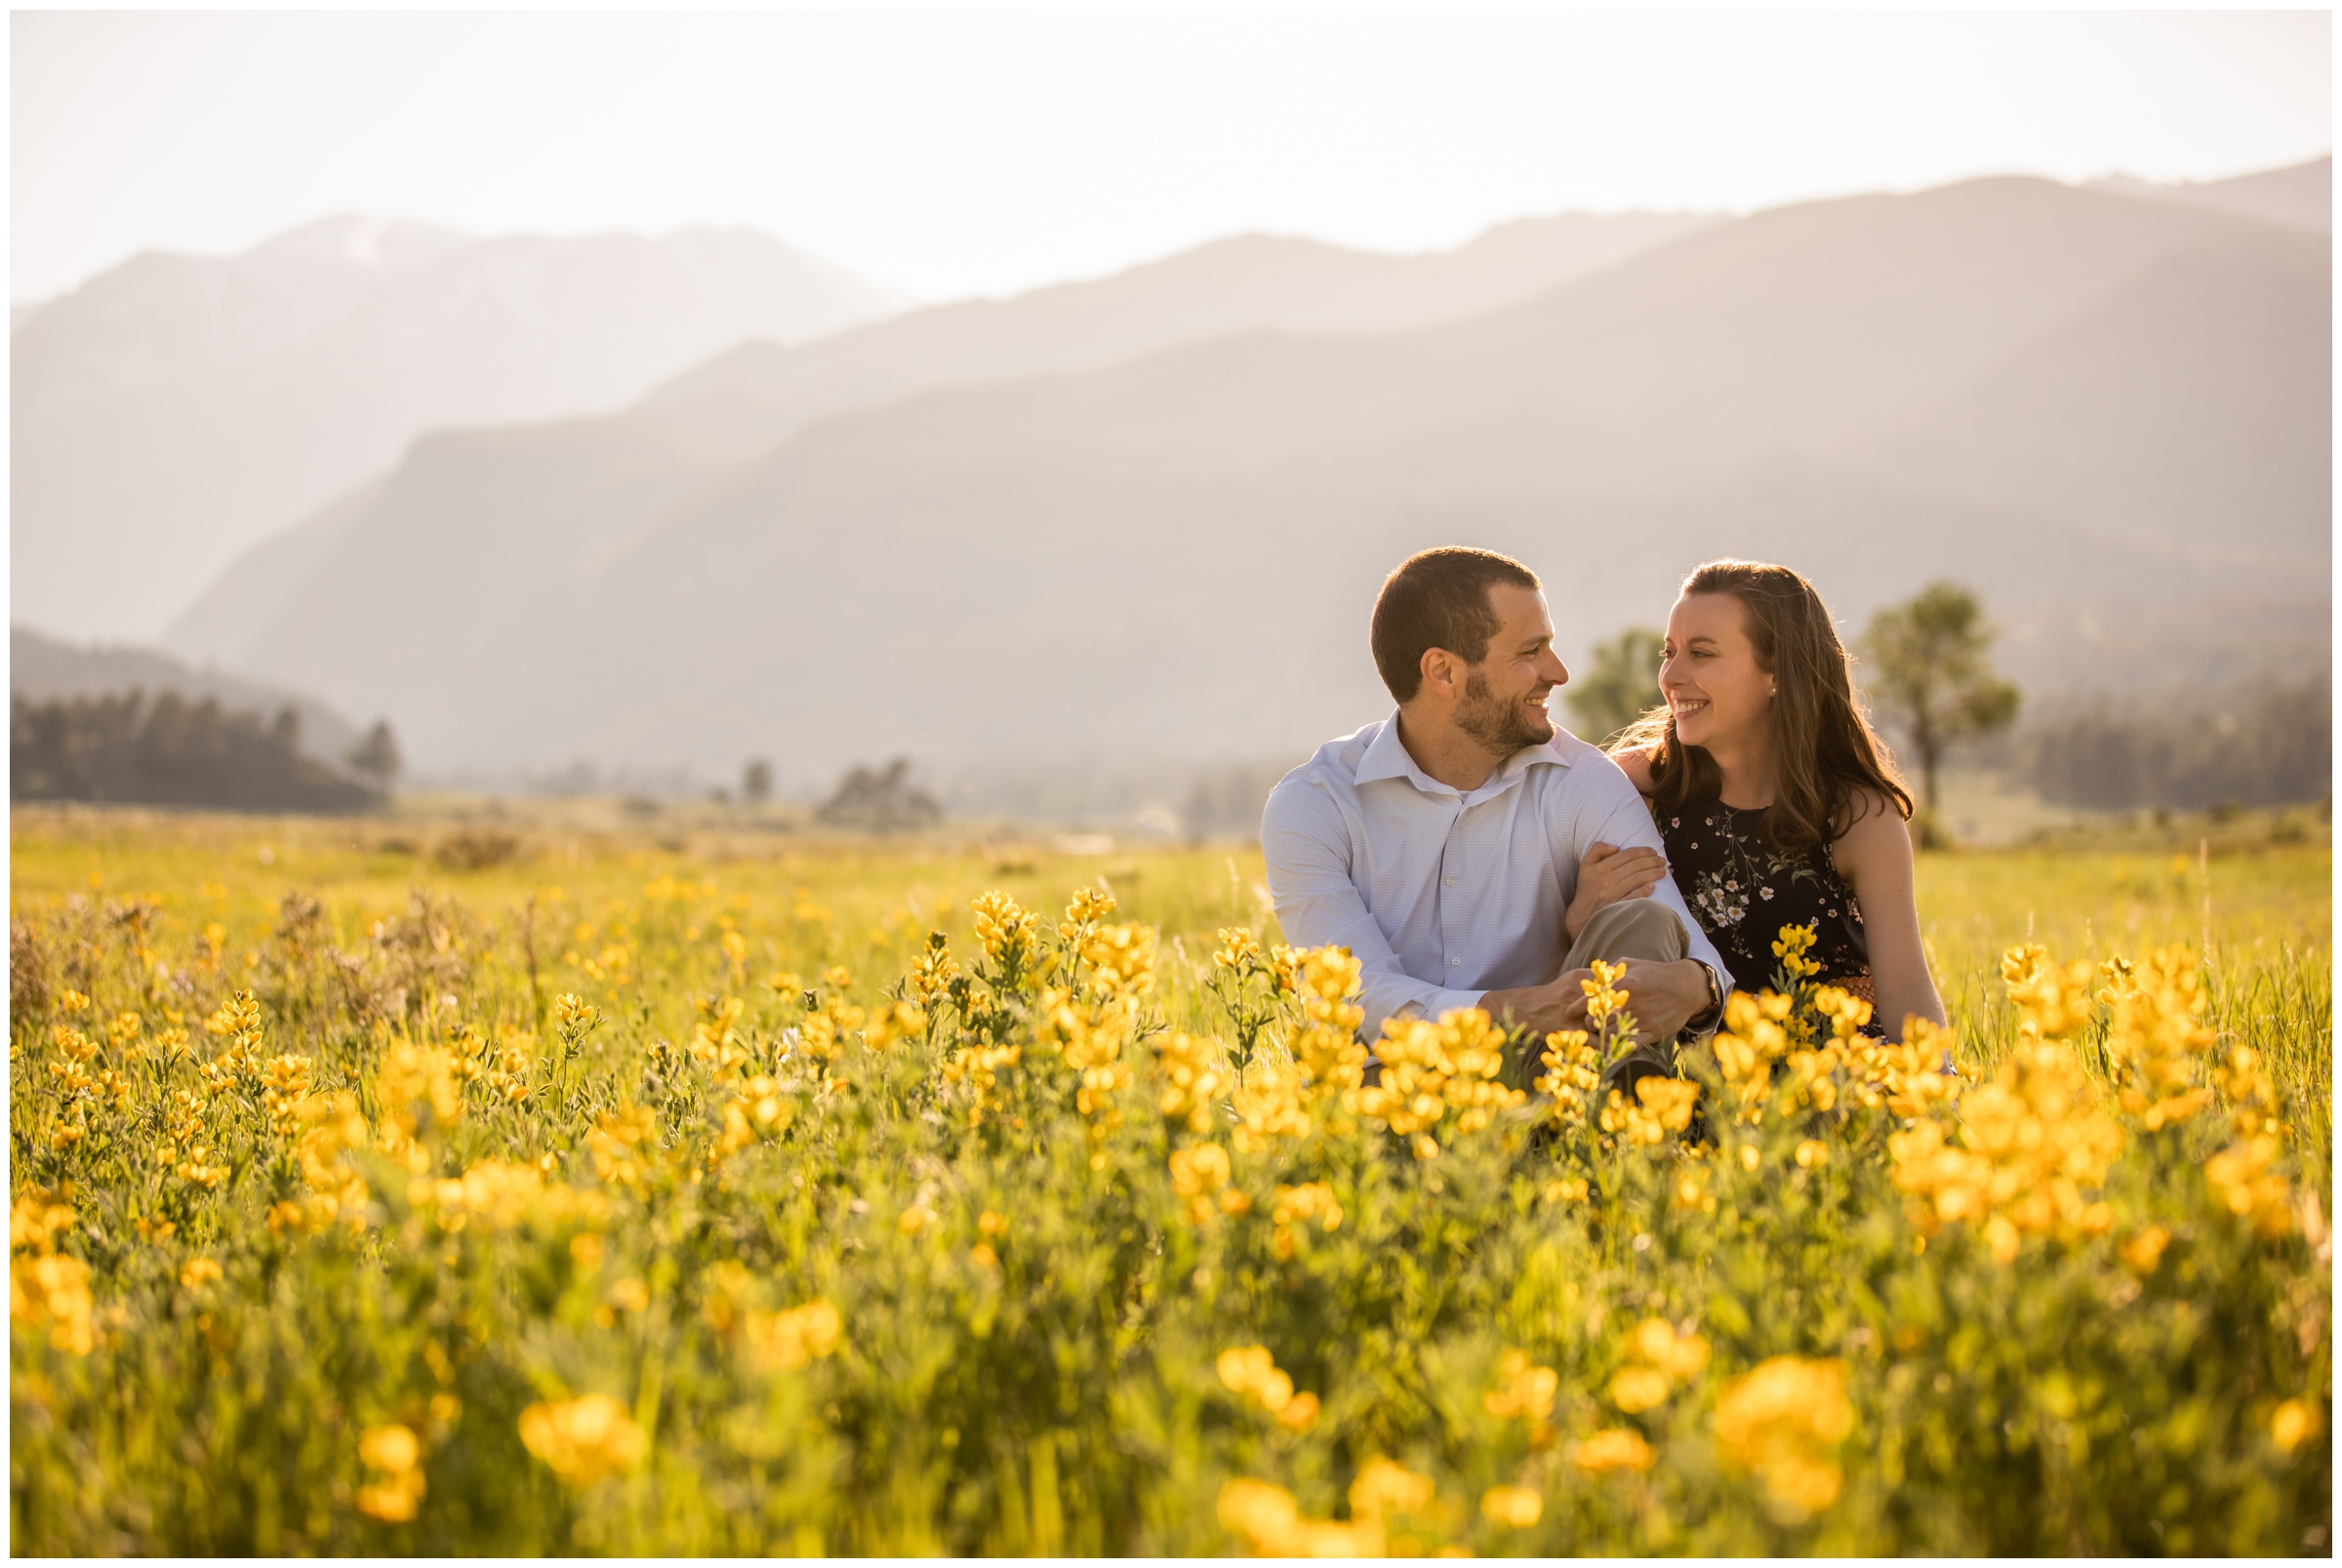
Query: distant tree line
{"points": [[164, 751], [2266, 746]]}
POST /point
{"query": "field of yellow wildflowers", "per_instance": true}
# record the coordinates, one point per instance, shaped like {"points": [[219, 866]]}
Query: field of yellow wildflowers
{"points": [[730, 1196]]}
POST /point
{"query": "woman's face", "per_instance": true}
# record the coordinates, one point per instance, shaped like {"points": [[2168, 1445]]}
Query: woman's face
{"points": [[1709, 675]]}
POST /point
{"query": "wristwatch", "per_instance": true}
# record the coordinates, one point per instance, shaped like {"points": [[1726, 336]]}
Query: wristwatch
{"points": [[1706, 1021]]}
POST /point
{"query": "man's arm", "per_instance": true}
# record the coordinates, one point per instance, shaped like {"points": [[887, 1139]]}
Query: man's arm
{"points": [[1627, 823], [1665, 997], [1306, 845]]}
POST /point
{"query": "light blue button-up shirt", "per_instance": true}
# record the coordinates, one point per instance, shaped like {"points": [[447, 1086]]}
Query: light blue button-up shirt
{"points": [[1445, 895]]}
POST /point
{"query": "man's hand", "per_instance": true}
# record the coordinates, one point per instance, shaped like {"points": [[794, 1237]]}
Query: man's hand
{"points": [[1662, 996], [1611, 875]]}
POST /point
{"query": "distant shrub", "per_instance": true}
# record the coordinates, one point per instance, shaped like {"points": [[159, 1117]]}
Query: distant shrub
{"points": [[880, 800], [475, 850]]}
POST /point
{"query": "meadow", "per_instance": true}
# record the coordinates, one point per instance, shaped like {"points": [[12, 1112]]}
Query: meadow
{"points": [[383, 1187]]}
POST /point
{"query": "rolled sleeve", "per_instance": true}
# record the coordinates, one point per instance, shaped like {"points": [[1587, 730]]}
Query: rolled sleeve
{"points": [[1307, 846]]}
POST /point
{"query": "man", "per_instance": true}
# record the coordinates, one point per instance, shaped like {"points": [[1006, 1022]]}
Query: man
{"points": [[1469, 854]]}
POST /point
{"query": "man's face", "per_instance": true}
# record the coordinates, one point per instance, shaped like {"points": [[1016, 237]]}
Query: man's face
{"points": [[1503, 706]]}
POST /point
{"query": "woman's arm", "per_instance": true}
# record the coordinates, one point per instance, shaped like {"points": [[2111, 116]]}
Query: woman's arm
{"points": [[1874, 855]]}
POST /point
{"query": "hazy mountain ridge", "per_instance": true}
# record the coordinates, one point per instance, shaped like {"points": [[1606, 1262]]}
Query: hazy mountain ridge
{"points": [[2301, 196], [1250, 283], [1177, 551], [697, 430], [232, 395]]}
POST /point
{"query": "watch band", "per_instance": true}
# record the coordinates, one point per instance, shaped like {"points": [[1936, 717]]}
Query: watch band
{"points": [[1708, 1019]]}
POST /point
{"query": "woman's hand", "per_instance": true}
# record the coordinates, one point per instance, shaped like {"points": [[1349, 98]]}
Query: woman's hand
{"points": [[1611, 875]]}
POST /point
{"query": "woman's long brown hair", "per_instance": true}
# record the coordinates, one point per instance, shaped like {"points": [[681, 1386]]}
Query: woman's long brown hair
{"points": [[1832, 764]]}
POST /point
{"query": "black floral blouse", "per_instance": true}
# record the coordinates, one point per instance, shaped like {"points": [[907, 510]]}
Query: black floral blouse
{"points": [[1743, 892]]}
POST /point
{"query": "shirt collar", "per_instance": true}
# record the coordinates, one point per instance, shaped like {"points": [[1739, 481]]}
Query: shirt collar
{"points": [[1386, 757]]}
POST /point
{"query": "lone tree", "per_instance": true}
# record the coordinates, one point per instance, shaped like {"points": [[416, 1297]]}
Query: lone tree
{"points": [[1621, 683], [1930, 674], [756, 781], [375, 758]]}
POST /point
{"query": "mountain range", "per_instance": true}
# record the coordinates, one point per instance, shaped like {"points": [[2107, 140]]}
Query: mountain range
{"points": [[175, 410], [1147, 513]]}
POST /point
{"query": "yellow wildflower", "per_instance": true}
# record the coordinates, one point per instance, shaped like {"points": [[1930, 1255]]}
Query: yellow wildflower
{"points": [[1523, 1390], [2053, 1001], [1269, 1105], [2030, 1142], [35, 1221], [2292, 1423], [1199, 1171], [1661, 1107], [584, 1441], [1271, 1524], [1619, 1448], [792, 1339], [1516, 1508], [1661, 1360], [1251, 1371], [1443, 1078], [2246, 1187], [1297, 1205], [1573, 1071], [617, 1143], [1238, 949], [1195, 1075], [2143, 1253], [52, 1291], [1004, 929], [1783, 1422], [1791, 948], [396, 1453]]}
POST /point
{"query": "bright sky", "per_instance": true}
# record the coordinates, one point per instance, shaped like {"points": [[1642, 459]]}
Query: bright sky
{"points": [[967, 152]]}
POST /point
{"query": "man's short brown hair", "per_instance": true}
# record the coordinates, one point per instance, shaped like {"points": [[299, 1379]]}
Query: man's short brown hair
{"points": [[1438, 599]]}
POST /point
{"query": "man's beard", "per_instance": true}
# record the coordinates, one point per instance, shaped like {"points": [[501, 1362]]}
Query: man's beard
{"points": [[1503, 728]]}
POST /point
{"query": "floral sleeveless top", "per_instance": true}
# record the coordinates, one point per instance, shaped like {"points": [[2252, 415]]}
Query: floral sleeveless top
{"points": [[1743, 892]]}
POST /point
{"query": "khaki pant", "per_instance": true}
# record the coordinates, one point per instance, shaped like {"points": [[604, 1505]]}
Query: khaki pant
{"points": [[1631, 928]]}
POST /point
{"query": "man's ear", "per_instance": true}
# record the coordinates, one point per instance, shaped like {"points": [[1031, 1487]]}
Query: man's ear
{"points": [[1442, 672]]}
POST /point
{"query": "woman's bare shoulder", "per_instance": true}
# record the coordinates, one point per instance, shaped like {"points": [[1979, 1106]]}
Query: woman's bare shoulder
{"points": [[1873, 824], [1635, 763]]}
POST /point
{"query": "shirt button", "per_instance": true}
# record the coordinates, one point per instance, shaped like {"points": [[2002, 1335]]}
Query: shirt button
{"points": [[1455, 963], [1451, 882]]}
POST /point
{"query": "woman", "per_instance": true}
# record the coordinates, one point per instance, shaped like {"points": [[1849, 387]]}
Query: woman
{"points": [[1775, 799]]}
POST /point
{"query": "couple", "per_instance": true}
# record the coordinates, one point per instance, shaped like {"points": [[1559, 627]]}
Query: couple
{"points": [[1469, 854]]}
